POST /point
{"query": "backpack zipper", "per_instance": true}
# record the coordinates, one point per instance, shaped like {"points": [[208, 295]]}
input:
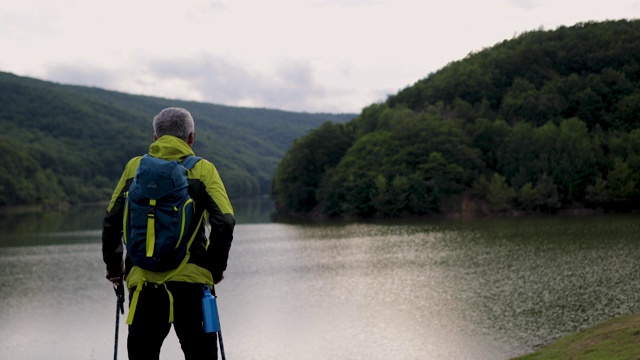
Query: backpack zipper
{"points": [[183, 220]]}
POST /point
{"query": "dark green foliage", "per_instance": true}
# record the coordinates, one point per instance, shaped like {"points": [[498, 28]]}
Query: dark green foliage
{"points": [[77, 140], [500, 195], [409, 167], [23, 181], [543, 197], [545, 121], [303, 167]]}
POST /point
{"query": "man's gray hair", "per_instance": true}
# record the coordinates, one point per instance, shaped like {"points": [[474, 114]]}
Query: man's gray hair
{"points": [[173, 121]]}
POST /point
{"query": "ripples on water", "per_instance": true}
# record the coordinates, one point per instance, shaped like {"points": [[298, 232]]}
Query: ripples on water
{"points": [[482, 289]]}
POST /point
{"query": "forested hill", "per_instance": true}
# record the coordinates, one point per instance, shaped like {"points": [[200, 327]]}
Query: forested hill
{"points": [[61, 143], [544, 121]]}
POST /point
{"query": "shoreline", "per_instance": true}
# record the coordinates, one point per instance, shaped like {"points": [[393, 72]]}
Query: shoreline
{"points": [[617, 338]]}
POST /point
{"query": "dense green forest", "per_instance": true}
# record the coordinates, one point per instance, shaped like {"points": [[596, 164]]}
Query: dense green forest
{"points": [[545, 121], [69, 144]]}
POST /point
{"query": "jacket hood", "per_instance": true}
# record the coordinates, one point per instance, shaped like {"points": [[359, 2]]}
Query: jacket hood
{"points": [[170, 148]]}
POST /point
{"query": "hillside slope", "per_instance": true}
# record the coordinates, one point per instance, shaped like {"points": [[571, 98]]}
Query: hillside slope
{"points": [[545, 121], [78, 139]]}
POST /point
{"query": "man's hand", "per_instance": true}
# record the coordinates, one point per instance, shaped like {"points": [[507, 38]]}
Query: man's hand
{"points": [[116, 280]]}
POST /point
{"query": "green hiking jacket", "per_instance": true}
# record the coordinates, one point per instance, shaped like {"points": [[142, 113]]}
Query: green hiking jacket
{"points": [[207, 254]]}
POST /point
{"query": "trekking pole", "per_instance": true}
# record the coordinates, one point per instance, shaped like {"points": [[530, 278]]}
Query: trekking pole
{"points": [[211, 320], [221, 345], [119, 289]]}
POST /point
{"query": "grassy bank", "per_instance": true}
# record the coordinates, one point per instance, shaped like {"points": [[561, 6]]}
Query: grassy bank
{"points": [[617, 339]]}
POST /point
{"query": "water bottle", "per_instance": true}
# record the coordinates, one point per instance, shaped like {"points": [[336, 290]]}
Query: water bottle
{"points": [[210, 320]]}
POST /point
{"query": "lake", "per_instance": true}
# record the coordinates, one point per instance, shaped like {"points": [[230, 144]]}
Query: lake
{"points": [[421, 289]]}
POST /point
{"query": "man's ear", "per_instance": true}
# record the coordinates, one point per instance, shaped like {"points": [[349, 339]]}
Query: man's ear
{"points": [[155, 137], [192, 138]]}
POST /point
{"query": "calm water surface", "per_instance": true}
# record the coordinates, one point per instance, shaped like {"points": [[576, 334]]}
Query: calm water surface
{"points": [[456, 289]]}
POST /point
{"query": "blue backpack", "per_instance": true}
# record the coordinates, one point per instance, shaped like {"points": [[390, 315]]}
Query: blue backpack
{"points": [[157, 213]]}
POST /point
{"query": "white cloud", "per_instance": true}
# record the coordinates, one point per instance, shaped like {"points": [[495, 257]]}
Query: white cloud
{"points": [[527, 4], [80, 74]]}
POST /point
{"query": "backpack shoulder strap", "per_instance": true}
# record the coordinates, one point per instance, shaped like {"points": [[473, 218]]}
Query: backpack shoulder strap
{"points": [[190, 161]]}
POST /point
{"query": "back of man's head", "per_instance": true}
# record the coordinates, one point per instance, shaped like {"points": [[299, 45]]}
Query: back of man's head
{"points": [[173, 121]]}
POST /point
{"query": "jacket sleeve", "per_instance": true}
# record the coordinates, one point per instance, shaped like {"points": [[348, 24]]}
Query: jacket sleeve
{"points": [[221, 219], [112, 225]]}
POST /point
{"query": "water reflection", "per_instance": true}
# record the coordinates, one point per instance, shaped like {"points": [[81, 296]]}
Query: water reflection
{"points": [[77, 224], [478, 289], [253, 211]]}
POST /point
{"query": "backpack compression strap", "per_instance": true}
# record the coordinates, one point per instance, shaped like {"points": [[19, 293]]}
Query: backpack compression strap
{"points": [[151, 227]]}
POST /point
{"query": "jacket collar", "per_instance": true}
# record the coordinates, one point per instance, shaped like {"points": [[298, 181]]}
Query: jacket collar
{"points": [[170, 148]]}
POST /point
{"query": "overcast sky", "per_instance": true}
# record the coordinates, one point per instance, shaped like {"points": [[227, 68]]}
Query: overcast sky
{"points": [[299, 55]]}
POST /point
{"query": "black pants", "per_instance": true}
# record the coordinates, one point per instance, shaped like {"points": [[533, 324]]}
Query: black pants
{"points": [[151, 322]]}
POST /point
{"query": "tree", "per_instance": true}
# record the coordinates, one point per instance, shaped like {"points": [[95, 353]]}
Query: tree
{"points": [[626, 114], [500, 195], [544, 196], [621, 182], [597, 194], [488, 137], [350, 187], [391, 197], [24, 182], [572, 165], [301, 170], [518, 155]]}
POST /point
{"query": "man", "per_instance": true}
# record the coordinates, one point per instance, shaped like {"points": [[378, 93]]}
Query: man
{"points": [[158, 299]]}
